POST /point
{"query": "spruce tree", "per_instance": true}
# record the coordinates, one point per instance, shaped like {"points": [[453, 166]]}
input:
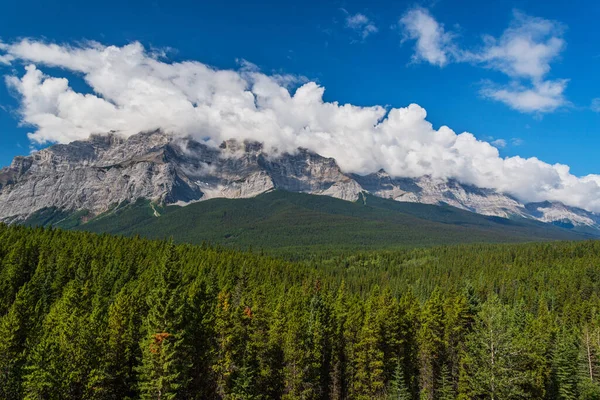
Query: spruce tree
{"points": [[369, 378], [564, 365], [445, 385], [432, 344], [14, 328], [398, 388], [115, 379], [163, 372]]}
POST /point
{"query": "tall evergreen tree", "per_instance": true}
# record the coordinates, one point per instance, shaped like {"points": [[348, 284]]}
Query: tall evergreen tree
{"points": [[115, 378], [369, 374], [14, 327], [163, 372], [432, 344], [445, 385], [398, 388], [564, 365], [497, 353]]}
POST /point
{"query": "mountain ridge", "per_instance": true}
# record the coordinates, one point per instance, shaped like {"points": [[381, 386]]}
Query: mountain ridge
{"points": [[106, 170]]}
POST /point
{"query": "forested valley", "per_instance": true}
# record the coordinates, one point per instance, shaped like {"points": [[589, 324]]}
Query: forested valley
{"points": [[87, 316]]}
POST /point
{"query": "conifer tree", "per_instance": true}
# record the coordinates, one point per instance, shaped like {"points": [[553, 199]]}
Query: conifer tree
{"points": [[319, 347], [115, 378], [432, 344], [564, 365], [163, 372], [588, 386], [445, 385], [369, 379], [14, 328], [200, 340], [410, 312], [398, 388], [60, 363], [339, 343], [496, 355]]}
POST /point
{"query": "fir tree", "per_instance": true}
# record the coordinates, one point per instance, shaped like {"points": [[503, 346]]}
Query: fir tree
{"points": [[163, 372], [432, 344], [564, 365], [368, 380], [445, 385], [398, 388]]}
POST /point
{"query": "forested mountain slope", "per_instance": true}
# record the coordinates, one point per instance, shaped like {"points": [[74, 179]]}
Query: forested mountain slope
{"points": [[102, 317], [286, 221]]}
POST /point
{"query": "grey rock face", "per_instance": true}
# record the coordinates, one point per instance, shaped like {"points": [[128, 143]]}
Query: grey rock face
{"points": [[107, 170], [556, 212], [103, 171], [428, 190], [91, 175]]}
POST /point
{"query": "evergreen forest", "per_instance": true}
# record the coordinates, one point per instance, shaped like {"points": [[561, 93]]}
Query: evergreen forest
{"points": [[95, 316]]}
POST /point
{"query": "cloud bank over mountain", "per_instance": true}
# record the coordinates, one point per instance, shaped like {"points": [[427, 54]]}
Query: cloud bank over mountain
{"points": [[135, 90]]}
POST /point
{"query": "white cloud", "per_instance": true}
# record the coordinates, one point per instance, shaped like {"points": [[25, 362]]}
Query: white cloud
{"points": [[433, 44], [499, 143], [361, 24], [595, 106], [134, 91], [5, 58], [525, 49], [523, 52], [542, 96]]}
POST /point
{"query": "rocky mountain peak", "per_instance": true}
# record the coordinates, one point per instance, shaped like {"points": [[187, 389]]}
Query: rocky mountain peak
{"points": [[106, 170]]}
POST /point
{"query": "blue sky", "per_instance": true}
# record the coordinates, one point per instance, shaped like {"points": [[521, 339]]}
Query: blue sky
{"points": [[318, 40]]}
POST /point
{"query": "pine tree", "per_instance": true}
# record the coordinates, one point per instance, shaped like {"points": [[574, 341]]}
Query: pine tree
{"points": [[163, 372], [409, 325], [13, 331], [445, 385], [200, 340], [564, 365], [339, 353], [319, 347], [115, 379], [587, 382], [398, 388], [497, 355], [432, 344], [460, 311], [65, 356], [369, 379]]}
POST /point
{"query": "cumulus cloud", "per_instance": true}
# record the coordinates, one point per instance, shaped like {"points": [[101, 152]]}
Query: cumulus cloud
{"points": [[133, 91], [433, 44], [361, 24], [523, 52]]}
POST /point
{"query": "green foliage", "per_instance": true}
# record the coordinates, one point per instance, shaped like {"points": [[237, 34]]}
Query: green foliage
{"points": [[86, 316], [398, 387], [163, 373], [290, 223], [564, 364]]}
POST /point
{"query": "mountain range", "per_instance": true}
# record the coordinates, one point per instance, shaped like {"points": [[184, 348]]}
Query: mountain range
{"points": [[87, 179]]}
